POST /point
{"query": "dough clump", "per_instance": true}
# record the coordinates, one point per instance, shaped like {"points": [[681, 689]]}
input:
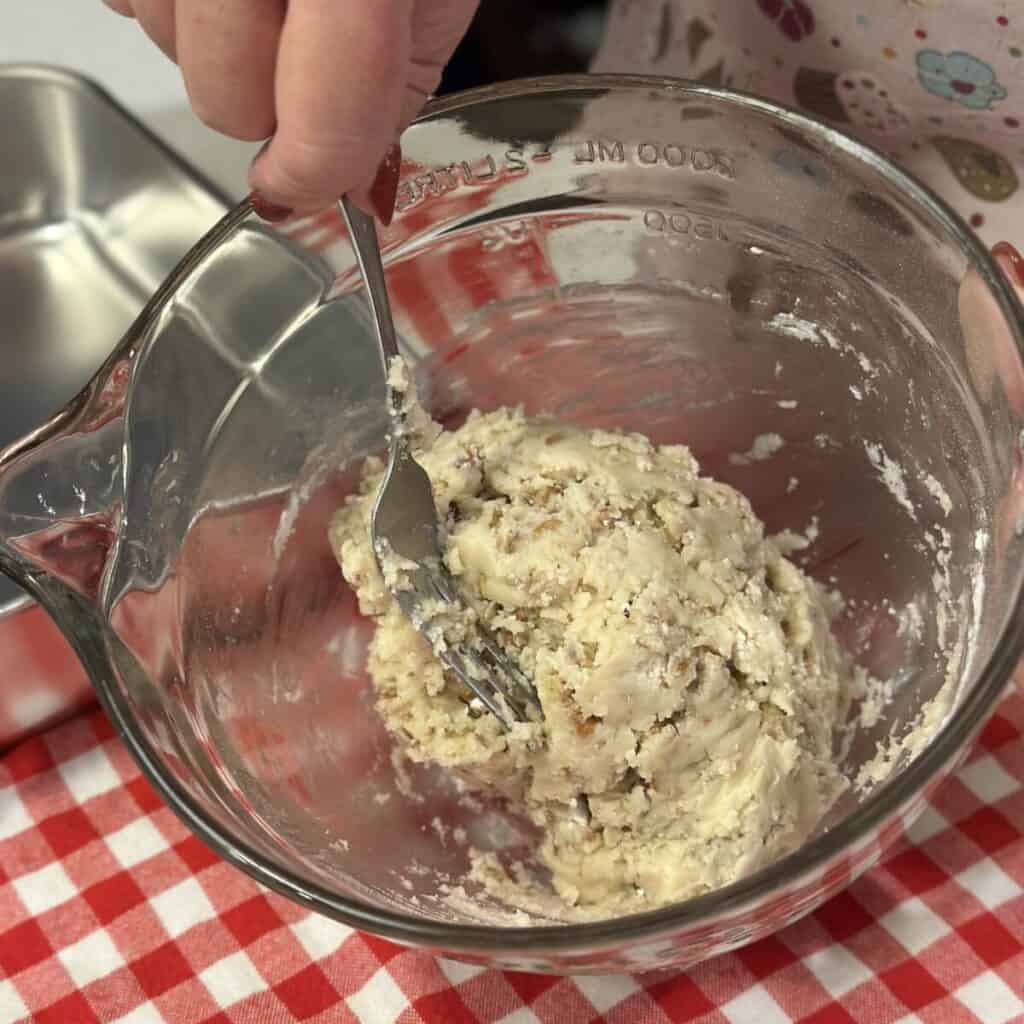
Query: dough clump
{"points": [[690, 681]]}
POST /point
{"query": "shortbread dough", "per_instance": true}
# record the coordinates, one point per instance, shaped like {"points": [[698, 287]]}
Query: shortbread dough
{"points": [[690, 682]]}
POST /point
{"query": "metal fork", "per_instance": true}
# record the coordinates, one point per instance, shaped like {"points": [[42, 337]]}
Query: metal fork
{"points": [[404, 521]]}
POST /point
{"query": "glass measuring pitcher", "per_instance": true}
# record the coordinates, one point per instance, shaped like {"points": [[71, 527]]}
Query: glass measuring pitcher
{"points": [[691, 263]]}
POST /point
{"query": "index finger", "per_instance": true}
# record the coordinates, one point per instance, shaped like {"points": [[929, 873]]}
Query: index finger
{"points": [[340, 78]]}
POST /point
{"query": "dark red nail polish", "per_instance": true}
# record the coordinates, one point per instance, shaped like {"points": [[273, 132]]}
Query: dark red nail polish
{"points": [[269, 211], [384, 190], [1013, 257]]}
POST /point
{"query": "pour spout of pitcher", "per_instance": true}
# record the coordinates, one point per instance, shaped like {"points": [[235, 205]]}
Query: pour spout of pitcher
{"points": [[60, 492], [61, 486]]}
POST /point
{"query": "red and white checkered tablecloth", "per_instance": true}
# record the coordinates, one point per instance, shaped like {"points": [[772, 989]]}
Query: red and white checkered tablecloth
{"points": [[111, 911]]}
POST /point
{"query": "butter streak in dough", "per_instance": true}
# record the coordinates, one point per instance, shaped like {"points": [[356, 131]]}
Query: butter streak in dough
{"points": [[690, 682]]}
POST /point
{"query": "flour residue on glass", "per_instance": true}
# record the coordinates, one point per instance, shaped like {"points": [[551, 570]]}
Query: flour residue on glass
{"points": [[925, 498], [764, 446], [953, 612], [939, 493], [814, 333], [891, 474]]}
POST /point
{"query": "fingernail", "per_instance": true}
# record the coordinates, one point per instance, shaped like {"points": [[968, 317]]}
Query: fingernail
{"points": [[269, 211], [257, 160], [384, 190], [259, 152], [1013, 257]]}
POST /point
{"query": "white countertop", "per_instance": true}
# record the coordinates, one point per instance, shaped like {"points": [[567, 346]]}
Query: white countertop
{"points": [[85, 36]]}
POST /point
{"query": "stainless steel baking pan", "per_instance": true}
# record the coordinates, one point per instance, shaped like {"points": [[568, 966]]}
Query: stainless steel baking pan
{"points": [[94, 212]]}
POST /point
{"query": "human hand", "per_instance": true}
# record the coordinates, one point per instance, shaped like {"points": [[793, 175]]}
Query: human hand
{"points": [[331, 83]]}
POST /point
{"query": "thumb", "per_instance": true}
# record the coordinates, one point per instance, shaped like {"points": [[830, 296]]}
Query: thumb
{"points": [[339, 87]]}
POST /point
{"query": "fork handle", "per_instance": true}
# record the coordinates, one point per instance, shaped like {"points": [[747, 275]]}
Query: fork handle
{"points": [[363, 233]]}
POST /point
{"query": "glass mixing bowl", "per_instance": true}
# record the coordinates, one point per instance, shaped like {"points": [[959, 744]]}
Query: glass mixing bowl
{"points": [[695, 264]]}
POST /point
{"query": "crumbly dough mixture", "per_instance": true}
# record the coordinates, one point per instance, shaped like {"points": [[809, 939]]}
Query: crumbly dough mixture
{"points": [[690, 682]]}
